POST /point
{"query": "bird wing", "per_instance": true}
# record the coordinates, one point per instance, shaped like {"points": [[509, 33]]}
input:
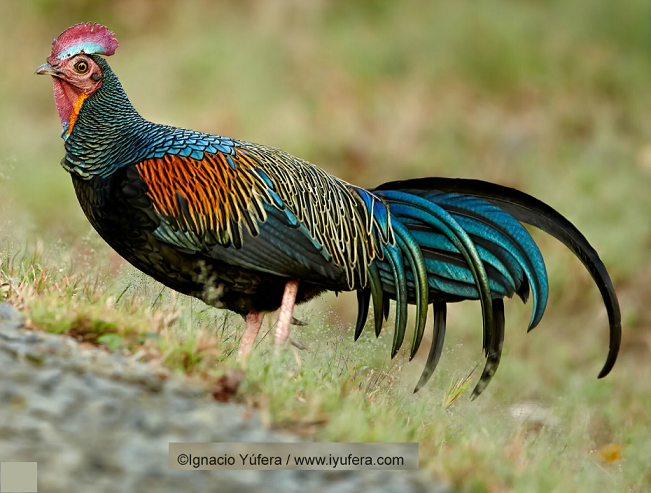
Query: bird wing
{"points": [[264, 209]]}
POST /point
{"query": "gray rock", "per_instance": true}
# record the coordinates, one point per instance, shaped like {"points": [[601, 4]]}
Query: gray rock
{"points": [[10, 317], [102, 422]]}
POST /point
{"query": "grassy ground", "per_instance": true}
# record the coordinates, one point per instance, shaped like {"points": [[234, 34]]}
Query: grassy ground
{"points": [[550, 97]]}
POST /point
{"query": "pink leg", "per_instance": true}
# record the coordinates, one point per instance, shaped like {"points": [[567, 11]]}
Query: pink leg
{"points": [[285, 315], [253, 323]]}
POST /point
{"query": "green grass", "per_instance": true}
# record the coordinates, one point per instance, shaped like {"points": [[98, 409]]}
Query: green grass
{"points": [[582, 433], [550, 97]]}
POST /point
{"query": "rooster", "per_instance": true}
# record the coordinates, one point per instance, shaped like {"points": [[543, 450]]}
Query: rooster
{"points": [[253, 229]]}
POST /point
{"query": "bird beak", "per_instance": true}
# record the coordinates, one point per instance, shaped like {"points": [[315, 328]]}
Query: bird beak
{"points": [[47, 69]]}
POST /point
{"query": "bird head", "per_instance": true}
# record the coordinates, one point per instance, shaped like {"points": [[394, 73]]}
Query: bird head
{"points": [[73, 66]]}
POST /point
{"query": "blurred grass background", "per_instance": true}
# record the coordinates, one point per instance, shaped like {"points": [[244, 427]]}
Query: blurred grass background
{"points": [[551, 97]]}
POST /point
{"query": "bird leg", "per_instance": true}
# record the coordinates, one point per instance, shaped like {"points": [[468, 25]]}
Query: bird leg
{"points": [[285, 315], [253, 323]]}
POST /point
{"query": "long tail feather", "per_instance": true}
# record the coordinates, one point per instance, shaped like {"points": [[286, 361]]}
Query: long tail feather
{"points": [[363, 302], [438, 336], [495, 353], [378, 297], [419, 274], [395, 258]]}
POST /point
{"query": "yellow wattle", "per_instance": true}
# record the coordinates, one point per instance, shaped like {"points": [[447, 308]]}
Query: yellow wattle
{"points": [[75, 111]]}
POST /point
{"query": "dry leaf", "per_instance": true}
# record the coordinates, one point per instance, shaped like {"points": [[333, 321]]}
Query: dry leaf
{"points": [[226, 386], [611, 452]]}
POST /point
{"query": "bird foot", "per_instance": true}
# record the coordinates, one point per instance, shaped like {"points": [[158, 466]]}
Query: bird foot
{"points": [[253, 323], [285, 316]]}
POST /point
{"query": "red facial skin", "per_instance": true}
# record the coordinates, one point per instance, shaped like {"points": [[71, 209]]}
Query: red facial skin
{"points": [[72, 87]]}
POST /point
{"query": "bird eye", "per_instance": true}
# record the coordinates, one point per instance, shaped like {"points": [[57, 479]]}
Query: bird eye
{"points": [[81, 66]]}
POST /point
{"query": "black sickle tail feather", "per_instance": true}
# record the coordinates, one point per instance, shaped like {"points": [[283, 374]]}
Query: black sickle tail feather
{"points": [[440, 317], [495, 353], [363, 301]]}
